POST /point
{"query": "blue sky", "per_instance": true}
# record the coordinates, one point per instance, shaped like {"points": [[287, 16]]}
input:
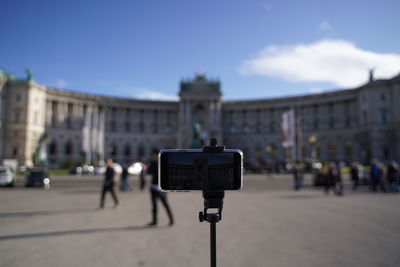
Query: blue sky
{"points": [[258, 49]]}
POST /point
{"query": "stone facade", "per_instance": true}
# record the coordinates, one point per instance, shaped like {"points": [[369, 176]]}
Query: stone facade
{"points": [[354, 124]]}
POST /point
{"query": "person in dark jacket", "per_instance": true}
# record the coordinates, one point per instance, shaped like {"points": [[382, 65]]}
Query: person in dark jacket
{"points": [[334, 180], [355, 175], [297, 175], [156, 193], [108, 184], [376, 176], [392, 173]]}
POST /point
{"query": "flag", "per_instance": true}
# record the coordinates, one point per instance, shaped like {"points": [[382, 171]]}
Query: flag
{"points": [[100, 135], [95, 131], [288, 128], [86, 134]]}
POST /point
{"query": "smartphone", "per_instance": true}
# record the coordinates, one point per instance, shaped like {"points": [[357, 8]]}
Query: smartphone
{"points": [[193, 169]]}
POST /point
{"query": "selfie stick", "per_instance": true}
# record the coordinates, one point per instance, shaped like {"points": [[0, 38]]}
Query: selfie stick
{"points": [[213, 199]]}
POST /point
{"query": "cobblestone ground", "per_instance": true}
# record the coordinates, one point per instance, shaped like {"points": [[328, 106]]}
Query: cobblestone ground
{"points": [[267, 224]]}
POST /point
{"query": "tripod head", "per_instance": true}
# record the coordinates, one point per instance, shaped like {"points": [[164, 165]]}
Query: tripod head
{"points": [[213, 199]]}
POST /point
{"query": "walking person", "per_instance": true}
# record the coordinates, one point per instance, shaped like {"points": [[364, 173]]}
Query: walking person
{"points": [[355, 175], [392, 173], [155, 192], [125, 183], [376, 176], [330, 178], [108, 184], [339, 188], [297, 175], [334, 180], [142, 176]]}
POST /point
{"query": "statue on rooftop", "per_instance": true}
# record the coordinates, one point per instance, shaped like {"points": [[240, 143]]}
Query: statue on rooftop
{"points": [[29, 74]]}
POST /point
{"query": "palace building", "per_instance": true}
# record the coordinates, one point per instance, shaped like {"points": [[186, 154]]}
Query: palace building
{"points": [[345, 125]]}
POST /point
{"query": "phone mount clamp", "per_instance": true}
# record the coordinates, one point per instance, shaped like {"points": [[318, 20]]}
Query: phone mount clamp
{"points": [[213, 199]]}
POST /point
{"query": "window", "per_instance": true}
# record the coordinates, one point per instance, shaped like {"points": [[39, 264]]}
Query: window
{"points": [[316, 124], [17, 116], [140, 152], [271, 150], [141, 127], [332, 149], [385, 152], [127, 151], [113, 126], [15, 151], [288, 152], [272, 126], [383, 97], [141, 119], [232, 128], [316, 116], [53, 148], [318, 150], [364, 114], [230, 119], [127, 126], [384, 116], [168, 128], [54, 113], [332, 122], [246, 128], [113, 150], [258, 127], [69, 115], [68, 148], [348, 120], [348, 149], [17, 97], [259, 152], [168, 117]]}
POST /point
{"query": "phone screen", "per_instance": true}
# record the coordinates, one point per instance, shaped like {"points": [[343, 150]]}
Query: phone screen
{"points": [[189, 170]]}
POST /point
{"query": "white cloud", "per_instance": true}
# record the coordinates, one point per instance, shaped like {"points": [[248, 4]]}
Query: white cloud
{"points": [[336, 61], [154, 95], [325, 26], [61, 83]]}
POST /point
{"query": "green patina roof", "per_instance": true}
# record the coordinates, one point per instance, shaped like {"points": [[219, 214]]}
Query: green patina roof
{"points": [[200, 84], [13, 78]]}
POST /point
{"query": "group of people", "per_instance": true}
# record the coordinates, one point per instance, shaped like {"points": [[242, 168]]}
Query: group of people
{"points": [[377, 174], [155, 193], [378, 177]]}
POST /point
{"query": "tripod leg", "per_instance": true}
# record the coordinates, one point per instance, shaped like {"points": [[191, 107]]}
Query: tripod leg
{"points": [[213, 244]]}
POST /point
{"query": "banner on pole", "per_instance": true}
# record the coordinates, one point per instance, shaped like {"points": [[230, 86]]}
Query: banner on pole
{"points": [[288, 128]]}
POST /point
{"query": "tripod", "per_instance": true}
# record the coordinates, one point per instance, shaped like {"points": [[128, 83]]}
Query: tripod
{"points": [[213, 199]]}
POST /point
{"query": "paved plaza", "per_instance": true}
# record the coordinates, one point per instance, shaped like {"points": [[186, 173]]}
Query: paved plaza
{"points": [[267, 224]]}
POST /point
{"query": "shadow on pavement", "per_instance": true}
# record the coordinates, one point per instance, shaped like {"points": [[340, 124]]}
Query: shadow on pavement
{"points": [[43, 212], [78, 232]]}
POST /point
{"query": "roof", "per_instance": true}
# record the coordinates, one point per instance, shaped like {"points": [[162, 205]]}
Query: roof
{"points": [[200, 85]]}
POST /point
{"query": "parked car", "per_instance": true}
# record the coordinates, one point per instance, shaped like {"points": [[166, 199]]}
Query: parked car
{"points": [[38, 177], [7, 176]]}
